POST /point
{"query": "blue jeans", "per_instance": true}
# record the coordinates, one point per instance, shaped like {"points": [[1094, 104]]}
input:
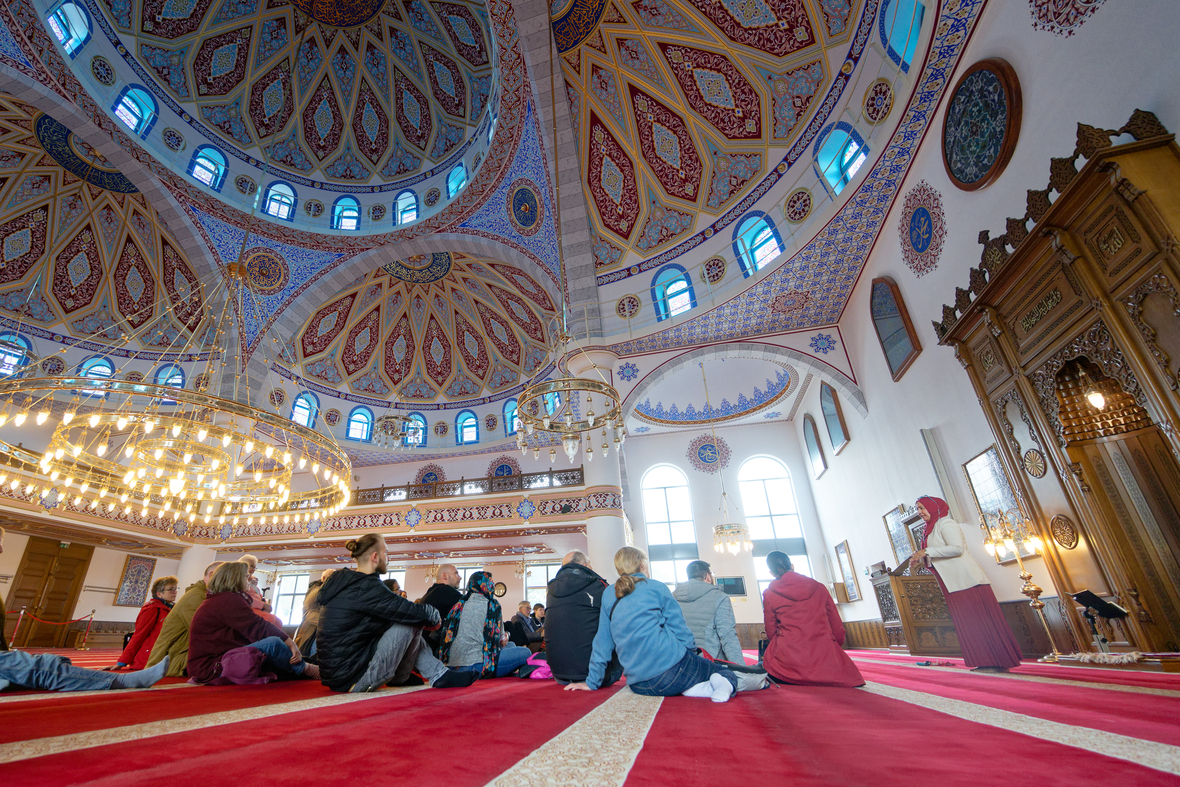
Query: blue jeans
{"points": [[278, 656], [48, 671], [691, 670], [511, 657]]}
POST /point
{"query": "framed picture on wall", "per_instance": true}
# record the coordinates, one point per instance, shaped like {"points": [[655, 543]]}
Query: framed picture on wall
{"points": [[847, 571], [895, 332], [814, 452], [829, 405], [135, 582], [991, 490]]}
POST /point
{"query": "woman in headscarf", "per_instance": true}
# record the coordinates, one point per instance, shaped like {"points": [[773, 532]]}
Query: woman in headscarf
{"points": [[984, 637], [473, 637]]}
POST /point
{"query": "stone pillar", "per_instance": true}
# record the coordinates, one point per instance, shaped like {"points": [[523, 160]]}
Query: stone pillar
{"points": [[604, 530], [193, 561]]}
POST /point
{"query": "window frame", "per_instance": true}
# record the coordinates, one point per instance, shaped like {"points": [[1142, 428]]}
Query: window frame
{"points": [[220, 168], [815, 451], [912, 38], [8, 369], [59, 23], [833, 415], [164, 376], [94, 362], [846, 171], [543, 588], [661, 299], [745, 250], [313, 404], [453, 190], [150, 112], [677, 553], [365, 413], [295, 594], [512, 422], [906, 326], [420, 419], [460, 420], [271, 193], [340, 207], [399, 211]]}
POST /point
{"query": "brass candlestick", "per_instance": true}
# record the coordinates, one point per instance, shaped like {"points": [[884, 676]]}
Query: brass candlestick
{"points": [[1006, 531]]}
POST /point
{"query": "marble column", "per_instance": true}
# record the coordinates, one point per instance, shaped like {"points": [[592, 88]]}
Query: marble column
{"points": [[193, 562]]}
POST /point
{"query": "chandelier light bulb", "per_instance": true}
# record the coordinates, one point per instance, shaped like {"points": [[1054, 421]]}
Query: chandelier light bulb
{"points": [[188, 457], [552, 454], [75, 450], [159, 472], [315, 467], [225, 440], [93, 420], [128, 450], [302, 462], [287, 457], [141, 472], [271, 483], [53, 476], [84, 486], [3, 417], [69, 481], [59, 453], [20, 418], [1095, 398], [175, 430], [589, 454], [122, 422], [102, 449], [237, 470], [202, 433], [93, 504], [42, 417], [257, 476], [249, 446], [102, 492], [123, 498], [148, 426], [215, 464], [67, 417], [158, 453], [269, 452]]}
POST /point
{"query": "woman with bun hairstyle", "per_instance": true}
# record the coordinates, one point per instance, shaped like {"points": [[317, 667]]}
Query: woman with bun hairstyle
{"points": [[643, 623]]}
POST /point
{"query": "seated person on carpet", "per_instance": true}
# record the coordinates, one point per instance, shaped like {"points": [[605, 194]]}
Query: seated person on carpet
{"points": [[709, 614], [442, 595], [369, 636], [51, 672], [173, 640], [228, 643], [644, 625], [258, 602], [3, 620], [312, 608], [804, 630], [474, 638], [575, 599], [528, 626], [149, 624], [539, 616]]}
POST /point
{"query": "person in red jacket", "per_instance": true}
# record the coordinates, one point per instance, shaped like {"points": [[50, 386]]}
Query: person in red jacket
{"points": [[148, 624], [804, 630]]}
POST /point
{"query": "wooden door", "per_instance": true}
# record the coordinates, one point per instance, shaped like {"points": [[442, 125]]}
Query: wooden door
{"points": [[47, 585]]}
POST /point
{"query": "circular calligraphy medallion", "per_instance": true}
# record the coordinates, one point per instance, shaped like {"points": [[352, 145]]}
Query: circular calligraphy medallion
{"points": [[245, 185], [133, 377], [173, 139], [922, 228], [713, 270], [277, 397], [441, 428], [102, 70], [53, 366], [201, 382], [524, 206], [420, 268], [982, 124], [266, 271], [920, 235], [377, 212], [490, 422], [313, 208]]}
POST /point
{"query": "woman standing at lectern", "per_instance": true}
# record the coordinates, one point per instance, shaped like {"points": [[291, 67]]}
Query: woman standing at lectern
{"points": [[984, 637]]}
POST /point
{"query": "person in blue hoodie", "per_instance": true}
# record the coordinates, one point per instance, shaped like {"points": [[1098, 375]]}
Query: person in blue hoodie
{"points": [[643, 623]]}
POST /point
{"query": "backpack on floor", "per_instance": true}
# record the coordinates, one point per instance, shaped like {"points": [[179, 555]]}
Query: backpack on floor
{"points": [[536, 668]]}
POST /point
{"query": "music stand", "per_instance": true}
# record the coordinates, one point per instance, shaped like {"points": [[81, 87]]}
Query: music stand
{"points": [[1096, 607]]}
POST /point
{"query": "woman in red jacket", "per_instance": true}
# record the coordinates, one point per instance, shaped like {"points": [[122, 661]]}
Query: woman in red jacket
{"points": [[148, 624], [804, 630]]}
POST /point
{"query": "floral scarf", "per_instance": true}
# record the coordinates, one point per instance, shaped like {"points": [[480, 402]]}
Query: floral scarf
{"points": [[480, 582]]}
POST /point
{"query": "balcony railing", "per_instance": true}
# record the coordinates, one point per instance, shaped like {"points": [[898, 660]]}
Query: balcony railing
{"points": [[466, 487]]}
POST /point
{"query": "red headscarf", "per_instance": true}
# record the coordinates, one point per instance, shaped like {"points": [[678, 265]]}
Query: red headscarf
{"points": [[937, 508]]}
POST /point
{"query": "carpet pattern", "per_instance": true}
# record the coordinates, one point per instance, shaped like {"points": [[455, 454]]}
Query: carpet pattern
{"points": [[1054, 725]]}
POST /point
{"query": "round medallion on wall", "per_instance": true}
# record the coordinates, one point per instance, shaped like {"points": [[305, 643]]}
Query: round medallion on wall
{"points": [[313, 208], [441, 428], [922, 229], [201, 382], [490, 422], [1034, 463], [133, 377], [430, 474], [790, 302], [713, 270], [878, 101], [102, 70], [377, 212], [266, 271], [524, 206], [432, 197], [173, 139], [500, 589], [277, 397], [798, 206], [982, 124], [245, 185], [1064, 532], [332, 417], [628, 306], [708, 454], [53, 366]]}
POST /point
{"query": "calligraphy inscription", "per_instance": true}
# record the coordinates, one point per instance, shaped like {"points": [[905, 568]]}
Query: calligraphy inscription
{"points": [[1038, 312]]}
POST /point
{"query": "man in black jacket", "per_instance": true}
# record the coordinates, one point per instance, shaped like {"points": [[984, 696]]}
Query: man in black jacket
{"points": [[571, 619], [370, 636], [442, 595]]}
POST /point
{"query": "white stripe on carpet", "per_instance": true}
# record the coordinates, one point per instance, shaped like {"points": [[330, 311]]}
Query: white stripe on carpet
{"points": [[597, 750], [1149, 753], [41, 747]]}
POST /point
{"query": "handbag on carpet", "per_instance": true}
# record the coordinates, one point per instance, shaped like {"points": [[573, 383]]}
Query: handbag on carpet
{"points": [[243, 667], [536, 668]]}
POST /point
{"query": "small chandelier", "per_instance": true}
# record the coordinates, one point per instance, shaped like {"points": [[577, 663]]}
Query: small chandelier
{"points": [[520, 569], [728, 535], [1091, 390]]}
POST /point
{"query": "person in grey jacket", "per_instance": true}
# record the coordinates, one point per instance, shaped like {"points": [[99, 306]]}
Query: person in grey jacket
{"points": [[709, 614]]}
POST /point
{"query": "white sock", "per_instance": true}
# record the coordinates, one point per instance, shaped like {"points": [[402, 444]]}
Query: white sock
{"points": [[722, 688], [702, 689]]}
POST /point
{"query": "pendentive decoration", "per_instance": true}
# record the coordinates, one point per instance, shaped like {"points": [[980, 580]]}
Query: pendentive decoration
{"points": [[1034, 463], [1062, 17], [982, 124], [524, 206], [922, 229]]}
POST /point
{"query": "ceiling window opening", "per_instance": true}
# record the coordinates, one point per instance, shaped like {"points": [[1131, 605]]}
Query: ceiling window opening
{"points": [[840, 156], [346, 214], [208, 166], [305, 409], [901, 26], [405, 208], [756, 243], [137, 109], [671, 534], [511, 418], [14, 353], [671, 292], [279, 201], [466, 428], [360, 424], [456, 180], [70, 25], [97, 368], [172, 376], [414, 431]]}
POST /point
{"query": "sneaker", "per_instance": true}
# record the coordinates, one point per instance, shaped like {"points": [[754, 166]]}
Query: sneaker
{"points": [[749, 681], [455, 679]]}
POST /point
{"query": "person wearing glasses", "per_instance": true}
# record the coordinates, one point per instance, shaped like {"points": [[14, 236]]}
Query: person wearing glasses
{"points": [[149, 624]]}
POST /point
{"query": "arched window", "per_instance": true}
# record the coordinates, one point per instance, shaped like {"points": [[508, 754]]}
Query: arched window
{"points": [[305, 409], [466, 428], [755, 243], [346, 214], [360, 424], [137, 109], [768, 499], [97, 368], [414, 431], [511, 418], [839, 154], [279, 201], [456, 180], [208, 166], [901, 25], [405, 208], [70, 23], [14, 352], [172, 375], [671, 292], [553, 403], [667, 513]]}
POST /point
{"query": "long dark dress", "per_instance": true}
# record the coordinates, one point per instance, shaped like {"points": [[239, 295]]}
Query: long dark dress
{"points": [[984, 635]]}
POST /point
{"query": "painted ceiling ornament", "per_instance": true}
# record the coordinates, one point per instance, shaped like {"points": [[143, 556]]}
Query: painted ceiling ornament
{"points": [[277, 397], [708, 454], [432, 197], [628, 372], [526, 508], [173, 139], [790, 302], [798, 206], [503, 466], [332, 417], [922, 229], [200, 382], [313, 208], [102, 70], [420, 268], [525, 207], [763, 396], [340, 13], [79, 158], [137, 377], [628, 306], [713, 271], [441, 428], [823, 343], [53, 366], [430, 474], [413, 518], [878, 101], [266, 271], [245, 185], [1062, 17], [982, 124]]}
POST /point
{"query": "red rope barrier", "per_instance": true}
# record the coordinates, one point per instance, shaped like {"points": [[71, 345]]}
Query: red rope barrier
{"points": [[62, 623]]}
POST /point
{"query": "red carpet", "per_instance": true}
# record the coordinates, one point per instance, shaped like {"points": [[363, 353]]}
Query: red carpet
{"points": [[816, 737]]}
